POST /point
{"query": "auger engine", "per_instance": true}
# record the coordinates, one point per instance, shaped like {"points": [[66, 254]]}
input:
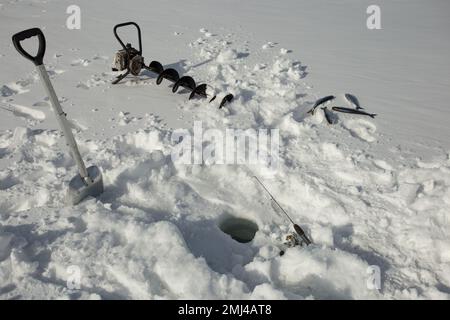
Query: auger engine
{"points": [[128, 58]]}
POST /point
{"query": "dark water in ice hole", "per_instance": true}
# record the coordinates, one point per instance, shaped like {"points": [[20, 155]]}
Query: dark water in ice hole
{"points": [[240, 229]]}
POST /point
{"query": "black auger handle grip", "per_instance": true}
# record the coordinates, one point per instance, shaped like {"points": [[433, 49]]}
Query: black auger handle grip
{"points": [[26, 34], [120, 25]]}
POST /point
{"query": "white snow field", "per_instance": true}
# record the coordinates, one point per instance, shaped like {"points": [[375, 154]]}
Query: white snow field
{"points": [[371, 193]]}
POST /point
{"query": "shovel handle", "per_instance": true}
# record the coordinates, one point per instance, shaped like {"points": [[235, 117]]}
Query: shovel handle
{"points": [[26, 34]]}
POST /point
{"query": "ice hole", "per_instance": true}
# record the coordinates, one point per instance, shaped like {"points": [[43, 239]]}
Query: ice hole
{"points": [[240, 229]]}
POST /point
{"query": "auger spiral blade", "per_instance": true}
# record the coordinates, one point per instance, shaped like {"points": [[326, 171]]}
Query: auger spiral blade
{"points": [[155, 67], [225, 100], [185, 82], [200, 90], [169, 74]]}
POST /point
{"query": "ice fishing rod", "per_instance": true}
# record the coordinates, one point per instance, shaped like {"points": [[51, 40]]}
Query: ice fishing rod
{"points": [[297, 228], [131, 60]]}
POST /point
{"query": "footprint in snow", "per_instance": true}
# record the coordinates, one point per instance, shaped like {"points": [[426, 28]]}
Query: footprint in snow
{"points": [[82, 86], [362, 129], [75, 124], [26, 112], [14, 88], [383, 165], [8, 181], [269, 45], [99, 57], [41, 104], [80, 62], [55, 72], [6, 91]]}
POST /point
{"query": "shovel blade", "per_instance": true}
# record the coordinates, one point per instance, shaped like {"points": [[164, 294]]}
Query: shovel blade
{"points": [[78, 190]]}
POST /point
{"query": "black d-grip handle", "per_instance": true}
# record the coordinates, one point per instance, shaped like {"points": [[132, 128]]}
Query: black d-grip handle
{"points": [[120, 25], [18, 37]]}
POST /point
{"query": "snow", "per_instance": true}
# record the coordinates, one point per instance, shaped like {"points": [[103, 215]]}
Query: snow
{"points": [[369, 192]]}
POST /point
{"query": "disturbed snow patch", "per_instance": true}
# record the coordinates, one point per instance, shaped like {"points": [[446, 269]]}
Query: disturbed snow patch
{"points": [[155, 232]]}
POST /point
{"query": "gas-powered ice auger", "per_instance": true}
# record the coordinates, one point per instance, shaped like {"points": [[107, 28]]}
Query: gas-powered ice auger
{"points": [[131, 60]]}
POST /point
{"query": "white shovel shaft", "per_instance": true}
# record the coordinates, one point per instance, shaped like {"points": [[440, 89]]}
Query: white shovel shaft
{"points": [[61, 117]]}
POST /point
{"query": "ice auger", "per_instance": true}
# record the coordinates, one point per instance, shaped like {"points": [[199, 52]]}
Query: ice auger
{"points": [[131, 60]]}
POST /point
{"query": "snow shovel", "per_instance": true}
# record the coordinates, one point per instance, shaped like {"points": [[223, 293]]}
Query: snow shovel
{"points": [[88, 182]]}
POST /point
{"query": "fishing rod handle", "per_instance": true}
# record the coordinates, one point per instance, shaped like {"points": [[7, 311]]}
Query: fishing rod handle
{"points": [[26, 34], [302, 234]]}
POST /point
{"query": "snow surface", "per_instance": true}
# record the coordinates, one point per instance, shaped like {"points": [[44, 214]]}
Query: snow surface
{"points": [[368, 192]]}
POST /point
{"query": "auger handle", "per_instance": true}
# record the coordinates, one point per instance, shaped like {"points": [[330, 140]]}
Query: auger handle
{"points": [[120, 25], [26, 34]]}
